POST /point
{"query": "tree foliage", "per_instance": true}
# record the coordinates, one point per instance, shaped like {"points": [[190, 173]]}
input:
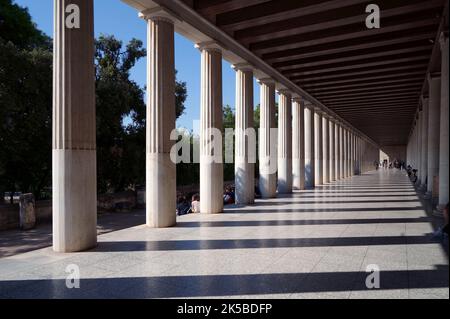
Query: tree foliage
{"points": [[26, 107]]}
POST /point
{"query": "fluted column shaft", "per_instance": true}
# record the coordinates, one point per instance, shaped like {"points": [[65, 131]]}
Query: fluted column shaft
{"points": [[74, 131], [332, 150], [326, 149], [267, 141], [337, 138], [424, 152], [444, 126], [285, 143], [310, 171], [244, 161], [298, 144], [161, 170], [211, 166], [345, 153], [318, 147], [434, 105]]}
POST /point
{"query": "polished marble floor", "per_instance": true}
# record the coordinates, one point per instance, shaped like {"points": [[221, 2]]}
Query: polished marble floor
{"points": [[312, 244]]}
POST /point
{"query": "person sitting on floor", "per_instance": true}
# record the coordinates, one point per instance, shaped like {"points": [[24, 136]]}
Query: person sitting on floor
{"points": [[228, 197], [183, 206], [195, 204]]}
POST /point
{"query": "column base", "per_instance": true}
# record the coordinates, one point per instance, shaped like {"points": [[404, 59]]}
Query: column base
{"points": [[160, 191], [211, 187], [244, 183], [74, 200]]}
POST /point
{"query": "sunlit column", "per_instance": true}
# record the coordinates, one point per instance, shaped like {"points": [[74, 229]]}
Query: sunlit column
{"points": [[211, 166], [245, 136], [318, 146], [161, 170], [74, 131], [285, 142], [326, 148], [298, 143], [267, 140], [310, 172], [332, 150]]}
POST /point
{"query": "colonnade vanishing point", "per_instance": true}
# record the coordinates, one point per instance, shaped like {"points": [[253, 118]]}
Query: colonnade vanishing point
{"points": [[314, 145]]}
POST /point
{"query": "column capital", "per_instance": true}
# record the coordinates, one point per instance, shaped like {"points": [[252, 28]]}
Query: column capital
{"points": [[266, 81], [212, 46], [244, 67], [443, 39], [298, 99], [159, 14], [284, 92]]}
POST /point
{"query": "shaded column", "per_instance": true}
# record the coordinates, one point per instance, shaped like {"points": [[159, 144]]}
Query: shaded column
{"points": [[160, 170], [419, 146], [318, 147], [345, 152], [337, 149], [267, 140], [74, 131], [211, 166], [298, 143], [341, 152], [444, 126], [245, 136], [332, 150], [310, 171], [285, 143], [351, 161], [424, 142], [326, 148], [434, 105]]}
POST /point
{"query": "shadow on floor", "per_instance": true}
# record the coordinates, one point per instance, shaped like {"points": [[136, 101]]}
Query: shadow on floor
{"points": [[225, 285]]}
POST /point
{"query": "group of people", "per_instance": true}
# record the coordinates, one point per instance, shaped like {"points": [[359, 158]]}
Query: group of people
{"points": [[185, 206], [386, 164]]}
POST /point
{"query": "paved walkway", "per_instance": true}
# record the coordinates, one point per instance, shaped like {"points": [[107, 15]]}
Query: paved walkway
{"points": [[313, 244]]}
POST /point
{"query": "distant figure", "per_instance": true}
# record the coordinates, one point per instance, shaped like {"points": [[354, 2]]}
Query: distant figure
{"points": [[183, 206], [228, 197], [195, 205], [376, 165]]}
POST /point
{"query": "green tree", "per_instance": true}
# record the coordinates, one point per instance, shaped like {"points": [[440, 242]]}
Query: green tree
{"points": [[25, 102], [121, 114], [17, 27]]}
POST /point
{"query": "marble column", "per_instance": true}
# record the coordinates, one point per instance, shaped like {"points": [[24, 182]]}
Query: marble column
{"points": [[332, 150], [298, 143], [310, 171], [345, 153], [424, 151], [318, 146], [326, 148], [267, 140], [74, 131], [285, 142], [444, 126], [160, 170], [337, 149], [419, 147], [244, 166], [211, 166], [434, 105]]}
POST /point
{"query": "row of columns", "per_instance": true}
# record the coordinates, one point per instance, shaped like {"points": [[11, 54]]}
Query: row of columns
{"points": [[428, 145], [308, 148]]}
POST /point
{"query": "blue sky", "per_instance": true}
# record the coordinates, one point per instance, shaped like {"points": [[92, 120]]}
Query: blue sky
{"points": [[115, 17]]}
